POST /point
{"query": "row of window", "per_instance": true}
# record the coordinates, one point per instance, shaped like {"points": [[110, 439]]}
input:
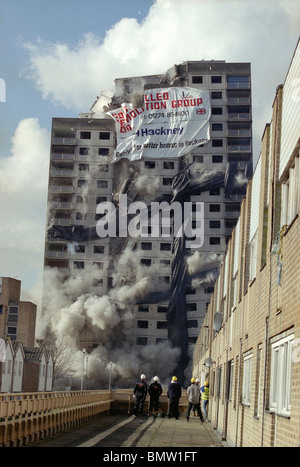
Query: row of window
{"points": [[167, 165], [100, 183], [7, 368], [144, 324], [83, 151], [143, 340], [104, 135], [146, 308], [12, 310], [232, 81], [282, 355], [86, 167]]}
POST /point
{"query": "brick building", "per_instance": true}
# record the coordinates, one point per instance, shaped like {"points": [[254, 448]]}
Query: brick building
{"points": [[17, 317], [248, 347], [23, 367]]}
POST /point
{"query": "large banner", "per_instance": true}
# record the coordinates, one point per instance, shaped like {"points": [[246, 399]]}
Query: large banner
{"points": [[172, 122]]}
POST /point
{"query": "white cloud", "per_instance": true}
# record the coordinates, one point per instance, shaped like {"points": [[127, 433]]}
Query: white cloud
{"points": [[261, 32], [23, 192]]}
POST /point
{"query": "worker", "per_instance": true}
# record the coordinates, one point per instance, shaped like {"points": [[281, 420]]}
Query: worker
{"points": [[194, 394], [155, 391], [174, 394], [140, 393], [194, 407], [205, 397]]}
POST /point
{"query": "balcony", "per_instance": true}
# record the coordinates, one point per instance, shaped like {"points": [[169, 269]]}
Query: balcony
{"points": [[239, 132], [62, 205], [62, 157], [54, 172], [61, 189], [238, 145], [57, 254], [62, 221], [238, 100], [232, 214], [240, 116], [67, 141], [238, 148]]}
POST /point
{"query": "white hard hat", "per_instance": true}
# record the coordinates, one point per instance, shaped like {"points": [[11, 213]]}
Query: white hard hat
{"points": [[155, 378], [143, 376]]}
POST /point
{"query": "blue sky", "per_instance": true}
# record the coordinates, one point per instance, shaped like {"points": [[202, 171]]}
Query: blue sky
{"points": [[57, 56], [66, 21]]}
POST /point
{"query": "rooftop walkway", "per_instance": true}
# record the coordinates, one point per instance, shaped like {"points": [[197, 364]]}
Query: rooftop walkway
{"points": [[119, 431]]}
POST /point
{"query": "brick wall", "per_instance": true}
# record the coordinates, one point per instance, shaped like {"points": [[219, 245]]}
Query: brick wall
{"points": [[264, 310]]}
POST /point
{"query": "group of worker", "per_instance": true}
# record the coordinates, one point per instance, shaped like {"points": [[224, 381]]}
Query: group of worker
{"points": [[195, 394]]}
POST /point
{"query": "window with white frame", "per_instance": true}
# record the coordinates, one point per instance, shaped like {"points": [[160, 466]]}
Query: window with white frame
{"points": [[258, 383], [247, 379], [253, 258], [281, 375], [290, 194]]}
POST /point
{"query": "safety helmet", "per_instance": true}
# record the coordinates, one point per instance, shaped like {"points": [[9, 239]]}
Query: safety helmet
{"points": [[193, 380], [155, 378], [197, 380], [174, 378], [143, 376], [206, 383]]}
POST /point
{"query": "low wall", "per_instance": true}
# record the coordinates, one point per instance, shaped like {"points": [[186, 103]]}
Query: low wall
{"points": [[123, 402], [27, 417]]}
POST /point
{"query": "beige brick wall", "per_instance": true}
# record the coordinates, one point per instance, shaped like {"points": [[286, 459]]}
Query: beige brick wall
{"points": [[264, 310]]}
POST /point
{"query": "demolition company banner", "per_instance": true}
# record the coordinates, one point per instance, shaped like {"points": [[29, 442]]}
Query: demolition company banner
{"points": [[172, 122]]}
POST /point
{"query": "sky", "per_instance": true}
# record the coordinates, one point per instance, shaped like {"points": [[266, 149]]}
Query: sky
{"points": [[57, 56]]}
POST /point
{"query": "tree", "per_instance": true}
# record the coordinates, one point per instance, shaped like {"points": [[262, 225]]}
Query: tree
{"points": [[64, 358]]}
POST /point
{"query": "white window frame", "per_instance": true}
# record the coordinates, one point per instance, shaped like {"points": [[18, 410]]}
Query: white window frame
{"points": [[260, 376], [247, 369], [253, 258], [290, 194], [281, 375]]}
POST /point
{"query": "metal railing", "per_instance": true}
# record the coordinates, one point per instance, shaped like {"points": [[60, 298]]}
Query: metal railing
{"points": [[27, 417]]}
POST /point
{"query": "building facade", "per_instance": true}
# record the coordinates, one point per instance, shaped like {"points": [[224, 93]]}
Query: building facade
{"points": [[19, 371], [81, 176], [248, 347], [17, 317], [25, 369]]}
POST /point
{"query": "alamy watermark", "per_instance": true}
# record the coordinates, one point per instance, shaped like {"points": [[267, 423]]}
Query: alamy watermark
{"points": [[160, 219], [2, 90]]}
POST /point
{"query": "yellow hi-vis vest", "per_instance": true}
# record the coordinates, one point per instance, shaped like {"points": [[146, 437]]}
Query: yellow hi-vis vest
{"points": [[205, 394]]}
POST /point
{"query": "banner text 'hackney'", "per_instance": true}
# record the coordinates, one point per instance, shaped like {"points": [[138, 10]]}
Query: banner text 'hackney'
{"points": [[172, 122]]}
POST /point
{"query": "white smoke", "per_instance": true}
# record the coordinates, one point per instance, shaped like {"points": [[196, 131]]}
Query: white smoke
{"points": [[208, 279], [198, 261], [241, 179], [107, 321], [147, 185]]}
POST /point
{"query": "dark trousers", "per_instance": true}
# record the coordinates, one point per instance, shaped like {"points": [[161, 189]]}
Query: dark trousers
{"points": [[173, 407], [139, 404], [197, 407], [153, 403]]}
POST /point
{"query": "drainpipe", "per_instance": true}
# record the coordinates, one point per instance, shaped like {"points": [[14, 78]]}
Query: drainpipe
{"points": [[224, 434], [238, 393], [267, 327], [265, 380]]}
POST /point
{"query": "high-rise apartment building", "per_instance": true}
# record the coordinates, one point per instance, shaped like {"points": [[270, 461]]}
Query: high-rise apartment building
{"points": [[180, 281]]}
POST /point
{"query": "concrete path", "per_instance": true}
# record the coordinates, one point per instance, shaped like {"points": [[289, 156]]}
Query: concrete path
{"points": [[121, 431]]}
